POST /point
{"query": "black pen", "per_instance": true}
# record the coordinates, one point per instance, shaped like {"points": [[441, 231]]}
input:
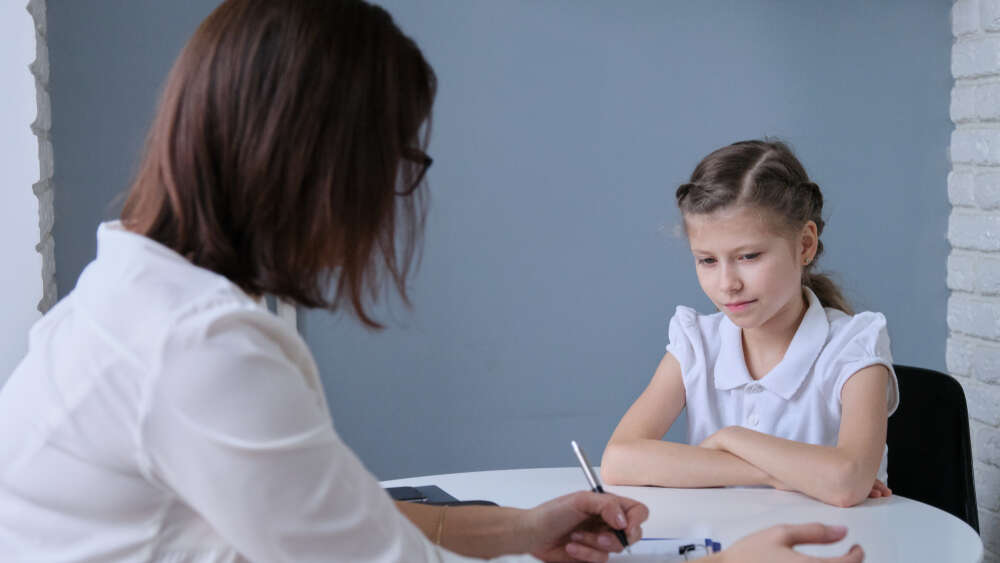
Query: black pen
{"points": [[595, 485]]}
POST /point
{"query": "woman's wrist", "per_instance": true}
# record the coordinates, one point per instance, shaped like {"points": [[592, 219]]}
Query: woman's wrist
{"points": [[479, 531], [522, 529], [440, 525], [507, 530]]}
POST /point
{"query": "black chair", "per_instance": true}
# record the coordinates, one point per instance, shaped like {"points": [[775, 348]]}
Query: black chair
{"points": [[930, 453]]}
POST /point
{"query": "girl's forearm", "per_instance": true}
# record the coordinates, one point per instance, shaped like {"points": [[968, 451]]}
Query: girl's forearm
{"points": [[825, 473], [669, 464], [474, 531]]}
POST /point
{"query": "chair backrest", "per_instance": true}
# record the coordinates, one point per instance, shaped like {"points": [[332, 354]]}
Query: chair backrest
{"points": [[930, 453]]}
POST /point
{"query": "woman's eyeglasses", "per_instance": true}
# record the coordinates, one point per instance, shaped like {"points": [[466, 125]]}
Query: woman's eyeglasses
{"points": [[422, 160]]}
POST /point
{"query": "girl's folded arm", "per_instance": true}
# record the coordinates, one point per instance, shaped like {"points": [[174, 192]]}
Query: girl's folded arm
{"points": [[841, 475], [669, 464], [637, 455]]}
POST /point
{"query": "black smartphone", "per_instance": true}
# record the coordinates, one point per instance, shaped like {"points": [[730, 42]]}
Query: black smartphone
{"points": [[410, 494]]}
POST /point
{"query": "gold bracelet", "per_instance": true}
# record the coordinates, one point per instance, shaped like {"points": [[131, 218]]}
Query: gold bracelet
{"points": [[440, 526]]}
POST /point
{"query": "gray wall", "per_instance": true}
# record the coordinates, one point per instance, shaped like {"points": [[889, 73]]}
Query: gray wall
{"points": [[560, 131]]}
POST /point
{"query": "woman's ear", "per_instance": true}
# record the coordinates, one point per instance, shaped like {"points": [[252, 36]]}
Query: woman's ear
{"points": [[808, 242]]}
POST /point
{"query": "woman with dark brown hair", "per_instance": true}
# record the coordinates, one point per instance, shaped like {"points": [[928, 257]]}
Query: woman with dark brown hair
{"points": [[162, 413]]}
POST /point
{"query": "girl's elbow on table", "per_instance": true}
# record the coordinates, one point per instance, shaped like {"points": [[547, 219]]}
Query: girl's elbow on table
{"points": [[849, 486], [612, 464]]}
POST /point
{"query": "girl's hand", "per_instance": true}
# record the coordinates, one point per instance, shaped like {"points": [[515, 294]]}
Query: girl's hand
{"points": [[879, 489], [774, 545], [714, 442], [780, 486], [579, 526]]}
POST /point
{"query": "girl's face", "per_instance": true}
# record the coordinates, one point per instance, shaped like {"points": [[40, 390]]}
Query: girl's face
{"points": [[748, 270]]}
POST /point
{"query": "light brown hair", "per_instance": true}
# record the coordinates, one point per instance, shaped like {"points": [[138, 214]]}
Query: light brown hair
{"points": [[767, 175], [287, 150]]}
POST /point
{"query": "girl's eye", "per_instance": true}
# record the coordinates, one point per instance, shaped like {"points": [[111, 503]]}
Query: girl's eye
{"points": [[706, 261], [751, 256]]}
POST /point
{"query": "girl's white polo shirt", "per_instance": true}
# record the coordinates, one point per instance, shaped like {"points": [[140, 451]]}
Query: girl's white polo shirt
{"points": [[800, 398]]}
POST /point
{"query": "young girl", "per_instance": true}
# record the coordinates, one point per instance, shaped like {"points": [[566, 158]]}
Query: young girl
{"points": [[785, 386]]}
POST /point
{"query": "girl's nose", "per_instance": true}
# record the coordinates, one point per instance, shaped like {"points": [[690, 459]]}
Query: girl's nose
{"points": [[731, 282]]}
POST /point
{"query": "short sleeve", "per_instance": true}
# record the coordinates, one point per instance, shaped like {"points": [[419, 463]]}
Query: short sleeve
{"points": [[683, 334], [861, 342]]}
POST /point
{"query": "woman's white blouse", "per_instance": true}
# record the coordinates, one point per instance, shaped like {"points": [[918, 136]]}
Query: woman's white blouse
{"points": [[800, 398], [161, 414]]}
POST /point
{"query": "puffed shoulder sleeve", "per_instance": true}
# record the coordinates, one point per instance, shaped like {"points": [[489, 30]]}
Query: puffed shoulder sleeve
{"points": [[862, 341], [685, 338]]}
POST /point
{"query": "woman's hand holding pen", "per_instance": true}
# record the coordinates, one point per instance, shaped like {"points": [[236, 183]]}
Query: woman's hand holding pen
{"points": [[579, 526]]}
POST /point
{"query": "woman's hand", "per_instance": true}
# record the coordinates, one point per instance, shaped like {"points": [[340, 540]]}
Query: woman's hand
{"points": [[774, 545], [580, 526]]}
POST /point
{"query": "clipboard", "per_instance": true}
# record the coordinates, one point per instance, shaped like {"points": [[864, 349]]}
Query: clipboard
{"points": [[659, 550], [432, 495]]}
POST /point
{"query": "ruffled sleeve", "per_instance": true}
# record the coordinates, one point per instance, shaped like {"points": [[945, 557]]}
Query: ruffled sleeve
{"points": [[684, 339], [863, 341]]}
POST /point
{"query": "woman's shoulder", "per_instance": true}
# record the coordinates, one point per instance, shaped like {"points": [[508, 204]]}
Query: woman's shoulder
{"points": [[167, 308], [225, 314], [225, 339]]}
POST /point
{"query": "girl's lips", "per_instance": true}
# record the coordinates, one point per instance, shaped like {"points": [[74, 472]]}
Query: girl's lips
{"points": [[740, 305]]}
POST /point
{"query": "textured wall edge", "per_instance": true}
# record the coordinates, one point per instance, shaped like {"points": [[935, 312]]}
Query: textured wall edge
{"points": [[42, 128]]}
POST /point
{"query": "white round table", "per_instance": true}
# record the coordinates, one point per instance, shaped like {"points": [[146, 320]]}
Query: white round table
{"points": [[890, 529]]}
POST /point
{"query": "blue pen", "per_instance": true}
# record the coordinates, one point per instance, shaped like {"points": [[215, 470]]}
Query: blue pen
{"points": [[595, 486], [712, 546]]}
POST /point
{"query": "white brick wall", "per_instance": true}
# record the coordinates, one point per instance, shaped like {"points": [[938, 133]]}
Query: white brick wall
{"points": [[25, 173], [973, 349]]}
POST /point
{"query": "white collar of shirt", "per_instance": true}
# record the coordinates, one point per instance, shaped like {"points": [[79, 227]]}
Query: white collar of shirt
{"points": [[786, 377], [114, 240]]}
